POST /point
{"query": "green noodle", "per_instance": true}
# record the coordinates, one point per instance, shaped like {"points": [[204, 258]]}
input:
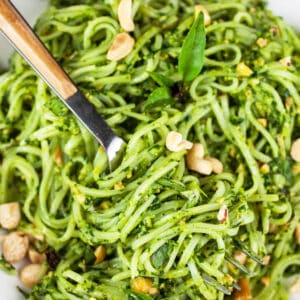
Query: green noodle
{"points": [[156, 218]]}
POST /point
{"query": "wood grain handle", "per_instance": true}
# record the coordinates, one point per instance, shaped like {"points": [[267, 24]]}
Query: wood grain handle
{"points": [[16, 29]]}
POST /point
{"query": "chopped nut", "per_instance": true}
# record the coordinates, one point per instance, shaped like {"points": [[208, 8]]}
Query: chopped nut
{"points": [[119, 186], [267, 259], [35, 257], [223, 214], [100, 254], [243, 70], [240, 256], [295, 151], [263, 122], [265, 280], [58, 157], [10, 215], [200, 8], [297, 234], [216, 164], [265, 169], [245, 292], [32, 274], [286, 61], [289, 101], [125, 15], [143, 285], [261, 42], [295, 286], [121, 47], [15, 247], [105, 205], [175, 142]]}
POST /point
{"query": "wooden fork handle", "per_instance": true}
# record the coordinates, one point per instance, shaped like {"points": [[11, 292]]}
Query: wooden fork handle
{"points": [[16, 29]]}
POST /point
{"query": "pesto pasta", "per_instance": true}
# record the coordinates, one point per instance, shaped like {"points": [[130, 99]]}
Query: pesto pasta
{"points": [[156, 219]]}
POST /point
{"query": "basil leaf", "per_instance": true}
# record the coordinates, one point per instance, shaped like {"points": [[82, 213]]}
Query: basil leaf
{"points": [[160, 257], [191, 58], [159, 97], [161, 80]]}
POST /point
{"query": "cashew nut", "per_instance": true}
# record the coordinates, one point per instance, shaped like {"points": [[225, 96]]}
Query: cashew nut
{"points": [[175, 142], [125, 15], [10, 215], [121, 47], [295, 150], [15, 247], [35, 257], [32, 274]]}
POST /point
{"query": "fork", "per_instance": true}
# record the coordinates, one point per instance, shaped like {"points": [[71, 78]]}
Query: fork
{"points": [[14, 27]]}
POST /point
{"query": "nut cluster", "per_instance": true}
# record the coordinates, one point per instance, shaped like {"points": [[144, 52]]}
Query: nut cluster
{"points": [[16, 246], [195, 159]]}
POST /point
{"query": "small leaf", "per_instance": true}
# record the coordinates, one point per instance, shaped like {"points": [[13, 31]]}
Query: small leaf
{"points": [[160, 257], [191, 58], [162, 80], [159, 97]]}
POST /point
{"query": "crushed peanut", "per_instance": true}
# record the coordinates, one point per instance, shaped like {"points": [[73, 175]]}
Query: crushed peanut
{"points": [[265, 280], [125, 15], [243, 70], [143, 285], [289, 101], [265, 169], [200, 8], [58, 157], [240, 256], [266, 260], [261, 42], [295, 150], [286, 61], [121, 47], [263, 122], [223, 214], [175, 142]]}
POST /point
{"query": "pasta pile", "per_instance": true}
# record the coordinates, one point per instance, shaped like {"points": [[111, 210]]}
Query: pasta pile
{"points": [[157, 220]]}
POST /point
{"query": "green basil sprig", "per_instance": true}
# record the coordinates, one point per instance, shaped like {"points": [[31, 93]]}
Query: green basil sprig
{"points": [[191, 58]]}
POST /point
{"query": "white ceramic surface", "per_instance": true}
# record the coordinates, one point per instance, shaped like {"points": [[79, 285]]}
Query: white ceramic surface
{"points": [[289, 9]]}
